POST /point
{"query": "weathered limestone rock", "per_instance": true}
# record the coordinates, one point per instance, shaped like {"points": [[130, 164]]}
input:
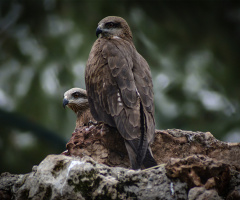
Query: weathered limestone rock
{"points": [[199, 170], [7, 181], [62, 177], [200, 193], [105, 145], [176, 143], [192, 165]]}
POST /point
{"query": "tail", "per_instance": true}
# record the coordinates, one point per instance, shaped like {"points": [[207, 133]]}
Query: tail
{"points": [[138, 149], [149, 161], [143, 143]]}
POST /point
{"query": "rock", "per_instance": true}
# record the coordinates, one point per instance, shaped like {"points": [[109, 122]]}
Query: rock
{"points": [[200, 193], [101, 142], [234, 186], [199, 170], [62, 177], [192, 165], [7, 181], [105, 145], [176, 143]]}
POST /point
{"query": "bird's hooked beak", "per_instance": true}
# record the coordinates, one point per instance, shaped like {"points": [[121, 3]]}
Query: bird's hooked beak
{"points": [[65, 102], [99, 30]]}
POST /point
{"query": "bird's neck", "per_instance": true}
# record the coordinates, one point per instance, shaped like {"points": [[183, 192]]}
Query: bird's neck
{"points": [[82, 109], [120, 37], [83, 117]]}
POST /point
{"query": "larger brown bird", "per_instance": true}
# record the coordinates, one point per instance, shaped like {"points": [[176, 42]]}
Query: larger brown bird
{"points": [[120, 89]]}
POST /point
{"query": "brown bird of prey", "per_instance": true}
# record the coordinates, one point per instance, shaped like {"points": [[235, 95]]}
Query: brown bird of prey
{"points": [[76, 99], [120, 89]]}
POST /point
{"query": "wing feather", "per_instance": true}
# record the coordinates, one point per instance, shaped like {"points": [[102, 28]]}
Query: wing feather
{"points": [[120, 64], [132, 74]]}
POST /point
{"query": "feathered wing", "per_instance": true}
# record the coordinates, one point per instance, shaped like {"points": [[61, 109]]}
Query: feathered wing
{"points": [[143, 80], [119, 87], [133, 77], [144, 85], [124, 103]]}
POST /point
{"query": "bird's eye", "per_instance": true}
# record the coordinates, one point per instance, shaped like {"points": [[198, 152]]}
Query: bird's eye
{"points": [[76, 95], [110, 24]]}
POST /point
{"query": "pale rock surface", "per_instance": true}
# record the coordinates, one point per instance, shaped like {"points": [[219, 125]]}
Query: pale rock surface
{"points": [[62, 177]]}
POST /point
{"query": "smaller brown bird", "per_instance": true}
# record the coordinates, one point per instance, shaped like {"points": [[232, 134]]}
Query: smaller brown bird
{"points": [[77, 100]]}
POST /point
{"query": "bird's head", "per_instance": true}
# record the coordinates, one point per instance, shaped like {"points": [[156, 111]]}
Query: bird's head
{"points": [[112, 26], [76, 99]]}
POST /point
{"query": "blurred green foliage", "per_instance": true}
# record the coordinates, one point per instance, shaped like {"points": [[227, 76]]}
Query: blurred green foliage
{"points": [[192, 47]]}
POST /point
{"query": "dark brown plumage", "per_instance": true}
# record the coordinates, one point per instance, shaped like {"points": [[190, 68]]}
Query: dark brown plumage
{"points": [[120, 89], [76, 99]]}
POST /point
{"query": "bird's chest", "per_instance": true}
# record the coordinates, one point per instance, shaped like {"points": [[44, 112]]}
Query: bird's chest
{"points": [[97, 69], [96, 64]]}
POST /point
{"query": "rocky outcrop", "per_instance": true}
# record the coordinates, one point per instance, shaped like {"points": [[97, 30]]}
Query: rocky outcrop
{"points": [[105, 145], [201, 171], [192, 165], [62, 177], [176, 143]]}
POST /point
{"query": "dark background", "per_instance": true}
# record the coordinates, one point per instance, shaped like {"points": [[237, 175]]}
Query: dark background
{"points": [[192, 47]]}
